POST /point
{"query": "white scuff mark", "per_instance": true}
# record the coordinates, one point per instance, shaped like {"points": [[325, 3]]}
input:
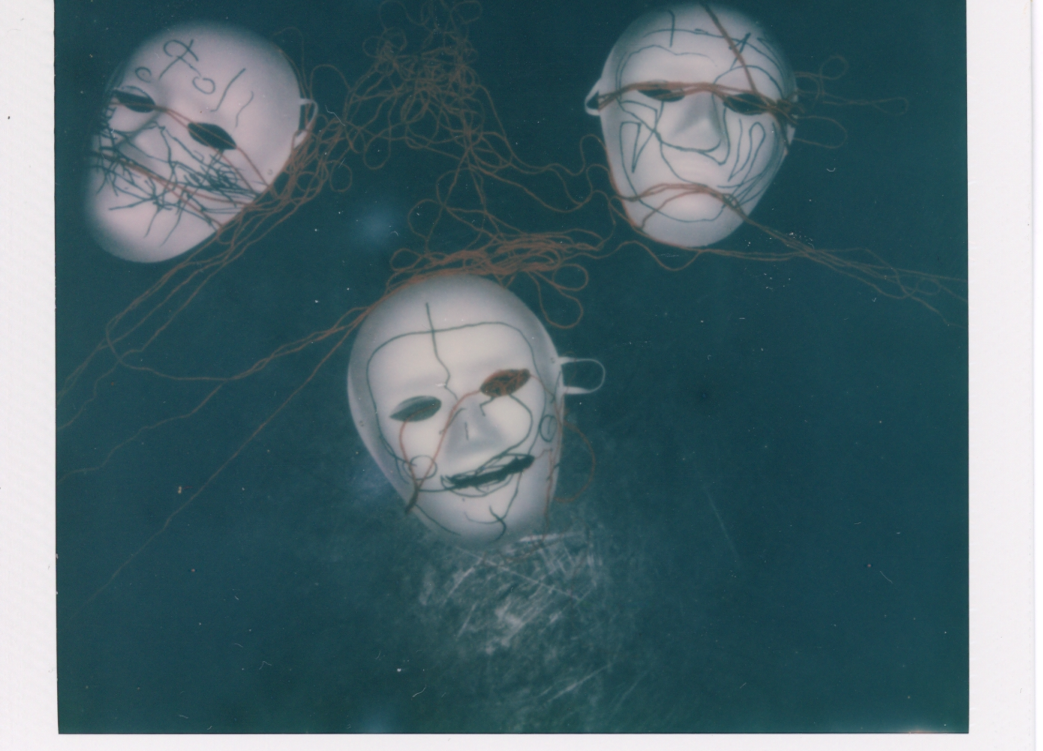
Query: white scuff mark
{"points": [[466, 621], [577, 684]]}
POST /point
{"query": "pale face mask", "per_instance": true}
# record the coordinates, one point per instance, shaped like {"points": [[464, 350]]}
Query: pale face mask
{"points": [[693, 97], [198, 122], [457, 391]]}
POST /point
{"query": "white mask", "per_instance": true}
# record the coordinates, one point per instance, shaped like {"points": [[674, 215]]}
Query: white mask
{"points": [[198, 122], [456, 389], [685, 107]]}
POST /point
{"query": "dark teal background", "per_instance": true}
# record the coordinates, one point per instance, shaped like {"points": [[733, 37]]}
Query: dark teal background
{"points": [[778, 519]]}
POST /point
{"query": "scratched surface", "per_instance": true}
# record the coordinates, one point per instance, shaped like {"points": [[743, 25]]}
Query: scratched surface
{"points": [[775, 536]]}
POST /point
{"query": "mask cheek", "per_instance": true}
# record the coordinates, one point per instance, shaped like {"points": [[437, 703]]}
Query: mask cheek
{"points": [[407, 441], [122, 120], [744, 135], [763, 149], [516, 416], [641, 152], [151, 147], [149, 151], [640, 112], [527, 418]]}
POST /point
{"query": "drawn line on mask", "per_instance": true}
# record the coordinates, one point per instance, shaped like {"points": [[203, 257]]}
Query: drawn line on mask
{"points": [[225, 93], [434, 346]]}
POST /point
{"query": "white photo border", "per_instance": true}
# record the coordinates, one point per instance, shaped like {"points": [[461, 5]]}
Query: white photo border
{"points": [[1001, 278]]}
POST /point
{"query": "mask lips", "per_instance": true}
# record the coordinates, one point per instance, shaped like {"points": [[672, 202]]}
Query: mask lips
{"points": [[484, 476]]}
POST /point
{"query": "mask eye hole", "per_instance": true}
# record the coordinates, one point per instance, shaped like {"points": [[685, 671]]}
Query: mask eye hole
{"points": [[210, 135], [746, 104], [504, 382], [663, 95], [135, 102], [417, 409]]}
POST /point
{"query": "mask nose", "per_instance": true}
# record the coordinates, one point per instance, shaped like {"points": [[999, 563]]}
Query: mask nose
{"points": [[472, 430], [146, 146], [694, 122], [150, 141]]}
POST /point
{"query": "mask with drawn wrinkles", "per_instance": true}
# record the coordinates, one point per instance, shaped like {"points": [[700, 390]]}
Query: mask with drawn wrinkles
{"points": [[694, 102]]}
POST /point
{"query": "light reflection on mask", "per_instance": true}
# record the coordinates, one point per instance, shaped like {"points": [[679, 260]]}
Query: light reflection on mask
{"points": [[198, 122], [456, 389], [693, 95]]}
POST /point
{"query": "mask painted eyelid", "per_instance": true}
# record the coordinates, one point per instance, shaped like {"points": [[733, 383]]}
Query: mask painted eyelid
{"points": [[211, 135], [661, 94], [134, 101], [504, 382], [747, 103], [417, 409]]}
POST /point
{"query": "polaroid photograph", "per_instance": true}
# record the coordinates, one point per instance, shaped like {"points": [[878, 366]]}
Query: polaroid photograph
{"points": [[602, 370]]}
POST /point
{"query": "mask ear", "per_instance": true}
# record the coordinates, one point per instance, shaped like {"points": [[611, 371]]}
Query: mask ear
{"points": [[791, 129], [590, 104], [573, 390], [309, 111]]}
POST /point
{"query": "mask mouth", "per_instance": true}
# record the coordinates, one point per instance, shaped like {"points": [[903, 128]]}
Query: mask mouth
{"points": [[485, 476]]}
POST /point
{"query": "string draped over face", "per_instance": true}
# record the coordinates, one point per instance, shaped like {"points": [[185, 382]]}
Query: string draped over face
{"points": [[698, 108], [197, 125]]}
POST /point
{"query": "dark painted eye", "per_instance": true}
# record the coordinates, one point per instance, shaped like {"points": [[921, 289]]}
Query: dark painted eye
{"points": [[663, 95], [213, 136], [416, 409], [747, 104], [135, 102], [504, 382]]}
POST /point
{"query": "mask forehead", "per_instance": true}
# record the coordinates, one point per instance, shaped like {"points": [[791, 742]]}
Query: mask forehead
{"points": [[446, 304], [660, 63], [701, 58], [217, 75], [472, 353], [459, 360]]}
